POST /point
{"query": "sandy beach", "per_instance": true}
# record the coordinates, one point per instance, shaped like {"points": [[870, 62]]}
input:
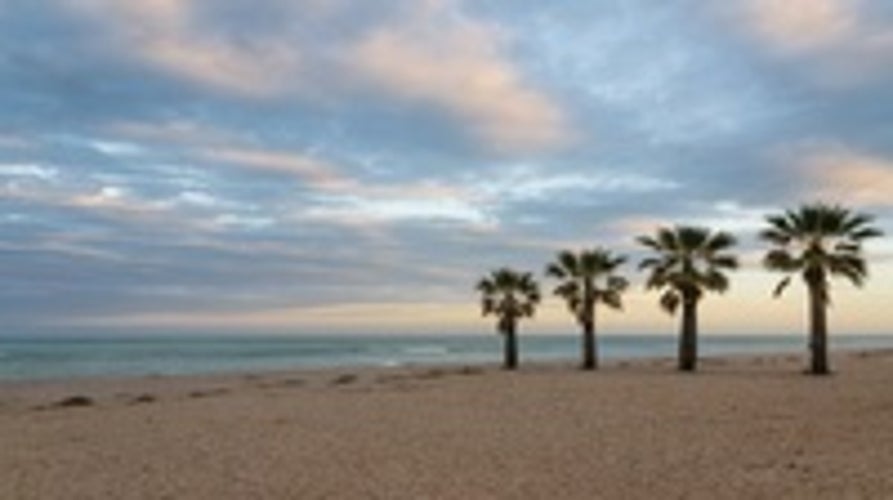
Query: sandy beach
{"points": [[744, 427]]}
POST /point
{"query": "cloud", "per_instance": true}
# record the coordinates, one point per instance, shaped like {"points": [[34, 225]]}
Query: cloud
{"points": [[65, 246], [243, 222], [38, 188], [803, 25], [725, 215], [172, 131], [197, 199], [425, 53], [458, 66], [523, 183], [115, 148], [28, 171], [848, 177], [847, 42], [362, 210], [13, 142], [313, 171], [269, 156], [338, 199], [168, 34]]}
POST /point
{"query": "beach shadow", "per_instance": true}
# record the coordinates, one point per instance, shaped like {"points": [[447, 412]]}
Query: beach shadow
{"points": [[143, 399], [292, 382], [432, 374], [77, 401], [470, 370], [206, 393], [344, 379]]}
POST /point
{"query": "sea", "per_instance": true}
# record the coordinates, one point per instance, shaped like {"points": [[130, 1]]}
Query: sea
{"points": [[64, 357]]}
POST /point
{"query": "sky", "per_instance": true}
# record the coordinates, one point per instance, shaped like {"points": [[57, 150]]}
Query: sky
{"points": [[333, 166]]}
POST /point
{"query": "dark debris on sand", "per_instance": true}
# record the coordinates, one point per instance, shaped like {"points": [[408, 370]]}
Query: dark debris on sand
{"points": [[73, 402], [144, 398], [345, 379]]}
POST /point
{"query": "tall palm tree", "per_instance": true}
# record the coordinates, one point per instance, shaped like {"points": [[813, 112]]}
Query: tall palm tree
{"points": [[509, 295], [582, 275], [818, 241], [690, 261]]}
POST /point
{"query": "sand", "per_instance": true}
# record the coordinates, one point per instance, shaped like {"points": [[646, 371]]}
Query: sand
{"points": [[744, 427]]}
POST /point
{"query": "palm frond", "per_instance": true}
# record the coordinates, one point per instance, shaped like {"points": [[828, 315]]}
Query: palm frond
{"points": [[568, 262], [781, 224], [567, 289], [828, 242], [485, 286], [500, 292], [612, 299], [617, 283], [649, 262], [487, 306], [781, 286], [689, 261], [715, 281], [554, 270], [848, 247], [864, 234], [670, 301], [649, 242], [667, 239], [724, 261], [720, 241], [775, 236], [781, 260], [850, 267], [855, 222]]}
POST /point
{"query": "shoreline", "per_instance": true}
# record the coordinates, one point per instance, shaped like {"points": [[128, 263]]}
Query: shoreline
{"points": [[119, 387], [495, 363], [111, 361]]}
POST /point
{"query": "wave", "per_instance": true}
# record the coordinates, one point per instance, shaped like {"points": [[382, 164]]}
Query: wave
{"points": [[428, 350]]}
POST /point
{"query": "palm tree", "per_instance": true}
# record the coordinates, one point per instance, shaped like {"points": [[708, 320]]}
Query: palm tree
{"points": [[580, 275], [818, 241], [509, 295], [690, 261]]}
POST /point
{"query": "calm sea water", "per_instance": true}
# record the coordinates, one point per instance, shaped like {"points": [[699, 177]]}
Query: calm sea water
{"points": [[39, 358]]}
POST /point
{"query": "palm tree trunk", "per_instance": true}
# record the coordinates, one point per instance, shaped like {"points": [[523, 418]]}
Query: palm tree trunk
{"points": [[818, 341], [590, 350], [510, 361], [688, 338]]}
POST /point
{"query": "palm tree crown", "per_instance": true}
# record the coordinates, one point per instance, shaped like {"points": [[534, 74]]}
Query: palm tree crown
{"points": [[818, 241], [508, 294], [582, 287], [690, 261], [580, 275]]}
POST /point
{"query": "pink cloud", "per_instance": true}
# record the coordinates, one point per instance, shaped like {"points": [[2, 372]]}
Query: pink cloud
{"points": [[802, 25], [459, 68], [429, 54], [849, 177], [164, 33], [313, 171], [844, 43]]}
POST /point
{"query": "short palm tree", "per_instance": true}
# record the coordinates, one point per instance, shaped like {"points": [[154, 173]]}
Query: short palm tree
{"points": [[509, 295], [690, 261], [588, 278], [818, 241]]}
